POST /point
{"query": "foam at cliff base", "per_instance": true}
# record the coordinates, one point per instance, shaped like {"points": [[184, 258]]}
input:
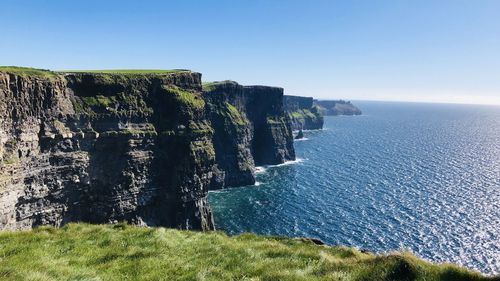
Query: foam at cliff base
{"points": [[263, 169], [302, 139], [309, 130]]}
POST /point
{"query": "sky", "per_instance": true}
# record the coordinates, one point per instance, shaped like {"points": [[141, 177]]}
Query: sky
{"points": [[401, 50]]}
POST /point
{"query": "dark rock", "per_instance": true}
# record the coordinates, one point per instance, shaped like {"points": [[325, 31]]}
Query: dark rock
{"points": [[315, 241], [302, 113], [300, 135], [141, 148], [337, 107], [103, 148], [251, 128]]}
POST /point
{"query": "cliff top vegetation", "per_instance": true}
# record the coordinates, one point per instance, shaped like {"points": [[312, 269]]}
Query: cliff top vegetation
{"points": [[45, 73], [28, 71], [127, 71], [123, 252]]}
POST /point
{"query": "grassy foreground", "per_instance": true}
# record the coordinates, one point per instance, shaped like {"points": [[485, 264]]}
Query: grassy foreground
{"points": [[122, 252]]}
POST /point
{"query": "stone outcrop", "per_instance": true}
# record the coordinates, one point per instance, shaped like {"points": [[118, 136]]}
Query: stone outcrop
{"points": [[251, 128], [142, 148], [302, 113], [337, 107]]}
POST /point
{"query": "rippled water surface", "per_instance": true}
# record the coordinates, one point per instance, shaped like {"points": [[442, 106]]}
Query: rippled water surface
{"points": [[422, 177]]}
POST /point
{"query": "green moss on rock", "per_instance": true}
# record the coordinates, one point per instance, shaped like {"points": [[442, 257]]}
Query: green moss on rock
{"points": [[188, 99]]}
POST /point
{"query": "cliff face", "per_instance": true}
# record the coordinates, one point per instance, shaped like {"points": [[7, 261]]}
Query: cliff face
{"points": [[302, 113], [251, 128], [337, 107], [102, 148], [142, 148]]}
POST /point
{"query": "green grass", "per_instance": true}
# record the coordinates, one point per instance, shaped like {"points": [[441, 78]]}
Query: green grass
{"points": [[122, 252], [28, 71], [208, 86], [303, 113], [188, 99], [45, 73], [211, 86], [127, 71], [230, 114]]}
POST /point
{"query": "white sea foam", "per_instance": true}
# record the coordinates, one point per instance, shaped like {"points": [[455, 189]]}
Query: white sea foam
{"points": [[313, 130], [263, 169], [260, 169], [292, 162], [302, 139]]}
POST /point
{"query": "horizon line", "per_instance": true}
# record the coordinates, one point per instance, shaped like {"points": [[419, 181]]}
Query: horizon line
{"points": [[420, 101]]}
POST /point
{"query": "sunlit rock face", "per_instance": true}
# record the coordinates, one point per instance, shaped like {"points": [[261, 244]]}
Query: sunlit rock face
{"points": [[251, 128], [303, 114], [141, 148], [103, 148], [337, 107]]}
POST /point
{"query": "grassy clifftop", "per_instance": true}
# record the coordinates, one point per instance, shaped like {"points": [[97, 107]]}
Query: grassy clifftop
{"points": [[28, 71], [128, 71], [121, 252]]}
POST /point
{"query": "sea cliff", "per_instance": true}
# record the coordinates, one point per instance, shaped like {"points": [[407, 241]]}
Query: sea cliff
{"points": [[138, 147], [337, 107], [251, 128], [303, 114]]}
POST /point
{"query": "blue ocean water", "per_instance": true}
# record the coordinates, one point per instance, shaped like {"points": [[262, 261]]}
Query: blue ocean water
{"points": [[403, 176]]}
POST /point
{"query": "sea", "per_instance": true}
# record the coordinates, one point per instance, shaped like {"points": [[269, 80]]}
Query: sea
{"points": [[415, 177]]}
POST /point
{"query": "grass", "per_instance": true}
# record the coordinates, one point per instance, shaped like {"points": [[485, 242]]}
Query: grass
{"points": [[186, 98], [211, 86], [122, 252], [127, 71], [229, 113], [45, 73], [28, 71], [120, 103], [302, 113], [208, 86]]}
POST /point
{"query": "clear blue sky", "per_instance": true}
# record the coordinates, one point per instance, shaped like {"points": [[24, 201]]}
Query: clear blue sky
{"points": [[425, 50]]}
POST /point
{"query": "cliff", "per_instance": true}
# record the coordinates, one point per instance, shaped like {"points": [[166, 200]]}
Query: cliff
{"points": [[337, 107], [122, 252], [251, 128], [107, 147], [302, 113]]}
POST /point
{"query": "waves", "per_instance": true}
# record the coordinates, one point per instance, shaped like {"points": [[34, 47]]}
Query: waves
{"points": [[263, 169], [420, 177]]}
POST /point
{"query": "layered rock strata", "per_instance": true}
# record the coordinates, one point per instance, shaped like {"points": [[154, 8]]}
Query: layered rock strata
{"points": [[103, 148]]}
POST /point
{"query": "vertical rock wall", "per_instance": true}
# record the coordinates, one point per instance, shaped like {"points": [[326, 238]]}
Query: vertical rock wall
{"points": [[142, 148], [251, 128], [104, 148], [303, 114]]}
